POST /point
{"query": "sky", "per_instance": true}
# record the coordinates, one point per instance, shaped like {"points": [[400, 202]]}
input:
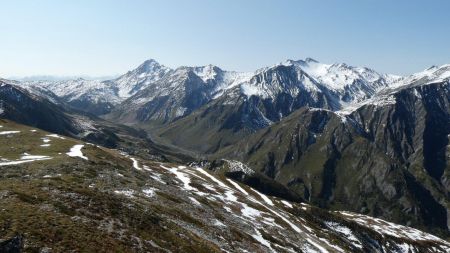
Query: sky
{"points": [[110, 37]]}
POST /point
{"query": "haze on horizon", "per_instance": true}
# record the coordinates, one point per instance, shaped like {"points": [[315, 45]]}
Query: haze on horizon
{"points": [[107, 38]]}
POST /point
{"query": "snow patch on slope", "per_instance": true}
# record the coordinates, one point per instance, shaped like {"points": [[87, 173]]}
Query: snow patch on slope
{"points": [[8, 132], [25, 158], [75, 151]]}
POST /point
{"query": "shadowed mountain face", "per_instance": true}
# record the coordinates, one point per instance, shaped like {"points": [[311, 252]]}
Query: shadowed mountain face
{"points": [[19, 105], [387, 160]]}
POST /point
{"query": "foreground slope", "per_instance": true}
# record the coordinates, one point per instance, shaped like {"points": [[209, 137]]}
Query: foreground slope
{"points": [[60, 194]]}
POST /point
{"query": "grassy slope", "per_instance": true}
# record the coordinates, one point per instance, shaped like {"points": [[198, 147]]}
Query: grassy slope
{"points": [[66, 202], [71, 204]]}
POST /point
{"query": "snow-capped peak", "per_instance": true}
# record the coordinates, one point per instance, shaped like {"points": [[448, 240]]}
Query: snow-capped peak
{"points": [[135, 80], [207, 72], [311, 60], [285, 77], [432, 74], [385, 96], [147, 68], [337, 76], [312, 67]]}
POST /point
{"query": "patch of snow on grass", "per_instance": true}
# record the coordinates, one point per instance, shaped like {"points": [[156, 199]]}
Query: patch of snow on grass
{"points": [[345, 231], [218, 223], [52, 176], [8, 132], [271, 222], [25, 158], [182, 177], [229, 195], [250, 212], [55, 136], [150, 192], [287, 204], [237, 186], [75, 151], [32, 157], [135, 163], [264, 197], [20, 162], [195, 201], [212, 178], [258, 237], [127, 193], [157, 177]]}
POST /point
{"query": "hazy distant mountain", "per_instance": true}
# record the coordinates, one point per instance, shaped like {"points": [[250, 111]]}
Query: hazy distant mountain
{"points": [[60, 78], [99, 97]]}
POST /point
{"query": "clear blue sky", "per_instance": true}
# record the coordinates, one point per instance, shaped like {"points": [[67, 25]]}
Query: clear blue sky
{"points": [[93, 37]]}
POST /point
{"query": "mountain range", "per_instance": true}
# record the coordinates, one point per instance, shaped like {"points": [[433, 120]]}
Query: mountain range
{"points": [[336, 137]]}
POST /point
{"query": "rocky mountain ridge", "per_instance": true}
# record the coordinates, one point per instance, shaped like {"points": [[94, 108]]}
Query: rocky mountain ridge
{"points": [[340, 81]]}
